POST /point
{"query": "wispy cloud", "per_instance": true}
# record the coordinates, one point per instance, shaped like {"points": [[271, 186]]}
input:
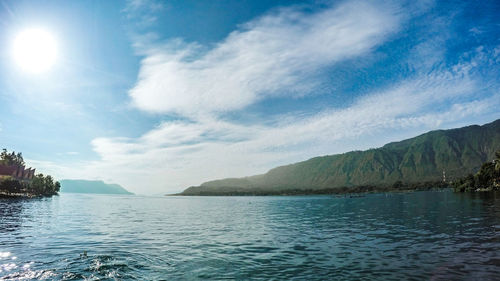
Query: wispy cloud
{"points": [[282, 54], [143, 11], [179, 154], [279, 54]]}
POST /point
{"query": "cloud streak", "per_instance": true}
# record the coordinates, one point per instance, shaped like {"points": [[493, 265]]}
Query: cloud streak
{"points": [[283, 54], [279, 54], [178, 154]]}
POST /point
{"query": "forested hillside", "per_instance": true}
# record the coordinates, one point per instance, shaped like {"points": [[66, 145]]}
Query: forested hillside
{"points": [[457, 152]]}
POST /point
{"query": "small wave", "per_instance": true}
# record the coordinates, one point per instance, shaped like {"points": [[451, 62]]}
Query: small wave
{"points": [[29, 274]]}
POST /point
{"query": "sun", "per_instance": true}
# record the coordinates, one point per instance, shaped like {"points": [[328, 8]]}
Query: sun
{"points": [[34, 50]]}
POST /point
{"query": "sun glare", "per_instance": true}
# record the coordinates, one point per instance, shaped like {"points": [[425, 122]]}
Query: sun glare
{"points": [[35, 50]]}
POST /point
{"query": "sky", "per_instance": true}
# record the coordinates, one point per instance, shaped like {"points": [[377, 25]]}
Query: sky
{"points": [[158, 96]]}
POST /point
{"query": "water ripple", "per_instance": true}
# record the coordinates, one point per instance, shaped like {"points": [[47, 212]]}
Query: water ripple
{"points": [[415, 236]]}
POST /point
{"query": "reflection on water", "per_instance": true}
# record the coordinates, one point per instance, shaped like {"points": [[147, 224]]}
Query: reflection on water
{"points": [[10, 215], [423, 235]]}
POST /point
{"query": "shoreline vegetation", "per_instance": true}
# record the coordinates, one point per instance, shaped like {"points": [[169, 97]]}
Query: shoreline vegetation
{"points": [[18, 182], [486, 179], [434, 160], [396, 187]]}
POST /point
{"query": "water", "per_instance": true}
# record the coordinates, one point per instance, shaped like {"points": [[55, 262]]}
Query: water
{"points": [[414, 236]]}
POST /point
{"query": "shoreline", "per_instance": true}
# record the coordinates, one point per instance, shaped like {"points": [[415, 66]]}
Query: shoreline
{"points": [[25, 195], [326, 191]]}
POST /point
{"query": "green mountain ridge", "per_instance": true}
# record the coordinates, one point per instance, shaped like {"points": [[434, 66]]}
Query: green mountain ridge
{"points": [[88, 186], [457, 152]]}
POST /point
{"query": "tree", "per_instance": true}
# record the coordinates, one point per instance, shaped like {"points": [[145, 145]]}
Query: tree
{"points": [[12, 158], [488, 177], [38, 185], [44, 185], [397, 185], [11, 185]]}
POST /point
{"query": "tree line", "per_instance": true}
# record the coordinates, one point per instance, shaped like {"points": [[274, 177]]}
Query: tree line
{"points": [[40, 185], [488, 178], [11, 158]]}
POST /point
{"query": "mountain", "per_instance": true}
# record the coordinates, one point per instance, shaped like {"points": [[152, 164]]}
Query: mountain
{"points": [[87, 186], [410, 162]]}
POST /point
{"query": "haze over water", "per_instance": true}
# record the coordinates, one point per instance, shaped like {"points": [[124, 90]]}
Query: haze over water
{"points": [[412, 236]]}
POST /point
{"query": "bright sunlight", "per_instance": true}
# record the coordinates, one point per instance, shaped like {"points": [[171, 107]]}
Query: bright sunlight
{"points": [[35, 50]]}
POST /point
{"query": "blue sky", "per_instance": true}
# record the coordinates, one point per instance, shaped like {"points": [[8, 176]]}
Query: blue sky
{"points": [[161, 95]]}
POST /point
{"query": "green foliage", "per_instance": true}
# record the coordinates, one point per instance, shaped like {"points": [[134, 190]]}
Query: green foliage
{"points": [[40, 185], [397, 185], [44, 185], [12, 158], [407, 163], [11, 185], [235, 191], [488, 178], [497, 160]]}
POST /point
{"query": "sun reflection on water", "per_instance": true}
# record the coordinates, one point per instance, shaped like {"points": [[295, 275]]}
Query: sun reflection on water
{"points": [[6, 262]]}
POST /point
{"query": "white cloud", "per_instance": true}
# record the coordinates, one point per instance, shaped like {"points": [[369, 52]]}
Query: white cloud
{"points": [[277, 54], [150, 5], [178, 154], [143, 11]]}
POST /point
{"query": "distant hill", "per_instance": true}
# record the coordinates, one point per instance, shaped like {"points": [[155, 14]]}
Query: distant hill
{"points": [[458, 152], [87, 186]]}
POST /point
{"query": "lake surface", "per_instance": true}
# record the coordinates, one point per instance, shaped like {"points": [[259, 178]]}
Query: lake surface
{"points": [[437, 235]]}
